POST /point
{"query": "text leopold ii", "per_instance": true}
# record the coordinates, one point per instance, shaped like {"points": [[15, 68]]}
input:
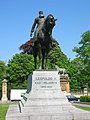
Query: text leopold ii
{"points": [[44, 78]]}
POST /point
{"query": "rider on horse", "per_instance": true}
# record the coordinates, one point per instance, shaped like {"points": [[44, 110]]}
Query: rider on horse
{"points": [[39, 21]]}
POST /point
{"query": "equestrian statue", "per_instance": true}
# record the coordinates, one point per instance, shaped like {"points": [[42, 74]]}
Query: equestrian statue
{"points": [[42, 39]]}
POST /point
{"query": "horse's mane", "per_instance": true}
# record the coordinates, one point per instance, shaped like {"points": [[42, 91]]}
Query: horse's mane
{"points": [[49, 17]]}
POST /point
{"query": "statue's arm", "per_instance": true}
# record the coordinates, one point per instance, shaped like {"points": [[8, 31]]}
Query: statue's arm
{"points": [[33, 26]]}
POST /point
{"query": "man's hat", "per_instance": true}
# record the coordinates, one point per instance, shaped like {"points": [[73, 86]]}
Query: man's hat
{"points": [[41, 13]]}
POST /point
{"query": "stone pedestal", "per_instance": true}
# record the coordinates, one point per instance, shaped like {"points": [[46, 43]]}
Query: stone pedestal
{"points": [[45, 95], [4, 90], [44, 100]]}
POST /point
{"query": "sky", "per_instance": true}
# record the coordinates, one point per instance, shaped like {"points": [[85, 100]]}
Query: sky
{"points": [[17, 17]]}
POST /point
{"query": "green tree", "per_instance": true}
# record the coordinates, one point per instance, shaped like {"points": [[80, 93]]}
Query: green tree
{"points": [[83, 52], [18, 69], [75, 75], [57, 57], [2, 72]]}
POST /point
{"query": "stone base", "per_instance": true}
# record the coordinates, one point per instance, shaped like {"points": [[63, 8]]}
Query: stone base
{"points": [[4, 99], [45, 101]]}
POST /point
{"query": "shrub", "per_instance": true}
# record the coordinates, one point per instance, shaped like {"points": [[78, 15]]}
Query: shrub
{"points": [[84, 98]]}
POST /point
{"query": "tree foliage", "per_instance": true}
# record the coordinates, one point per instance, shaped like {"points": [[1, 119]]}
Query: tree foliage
{"points": [[2, 72], [18, 69], [57, 57], [84, 50], [75, 76], [27, 47], [83, 58]]}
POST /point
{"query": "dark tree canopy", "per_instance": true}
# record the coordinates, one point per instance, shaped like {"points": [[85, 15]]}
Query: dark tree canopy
{"points": [[27, 47]]}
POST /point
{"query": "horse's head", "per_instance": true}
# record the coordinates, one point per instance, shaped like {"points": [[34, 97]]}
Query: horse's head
{"points": [[49, 23]]}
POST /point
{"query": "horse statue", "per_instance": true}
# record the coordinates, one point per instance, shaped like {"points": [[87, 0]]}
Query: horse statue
{"points": [[43, 44]]}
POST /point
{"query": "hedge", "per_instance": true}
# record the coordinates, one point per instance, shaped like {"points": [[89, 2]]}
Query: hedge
{"points": [[84, 98]]}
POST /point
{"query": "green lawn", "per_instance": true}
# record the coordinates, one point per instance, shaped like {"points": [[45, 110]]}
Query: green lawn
{"points": [[83, 108], [3, 110]]}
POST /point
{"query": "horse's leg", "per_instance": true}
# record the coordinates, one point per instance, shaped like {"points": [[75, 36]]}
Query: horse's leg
{"points": [[47, 59], [43, 57], [43, 62], [35, 62], [40, 67], [40, 57], [35, 57]]}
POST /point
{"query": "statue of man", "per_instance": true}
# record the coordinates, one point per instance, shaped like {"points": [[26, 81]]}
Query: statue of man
{"points": [[39, 21]]}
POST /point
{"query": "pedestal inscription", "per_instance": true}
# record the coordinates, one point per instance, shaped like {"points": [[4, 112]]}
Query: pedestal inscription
{"points": [[46, 80]]}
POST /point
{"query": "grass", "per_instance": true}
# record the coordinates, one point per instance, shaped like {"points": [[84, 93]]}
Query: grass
{"points": [[83, 107], [3, 110]]}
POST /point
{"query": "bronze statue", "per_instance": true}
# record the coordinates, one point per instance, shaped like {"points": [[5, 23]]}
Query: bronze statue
{"points": [[38, 23], [43, 44]]}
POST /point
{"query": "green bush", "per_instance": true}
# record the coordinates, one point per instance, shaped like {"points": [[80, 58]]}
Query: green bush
{"points": [[84, 98]]}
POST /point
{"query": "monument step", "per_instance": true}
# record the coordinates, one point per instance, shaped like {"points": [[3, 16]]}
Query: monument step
{"points": [[43, 109], [64, 115], [46, 93], [53, 101], [35, 116]]}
